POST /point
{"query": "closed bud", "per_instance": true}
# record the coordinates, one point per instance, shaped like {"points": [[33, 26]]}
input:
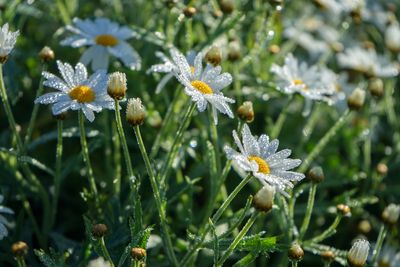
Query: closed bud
{"points": [[19, 249], [296, 253], [328, 256], [170, 3], [234, 51], [46, 54], [390, 214], [116, 86], [227, 6], [364, 227], [356, 100], [392, 37], [135, 112], [343, 209], [316, 174], [264, 198], [214, 56], [375, 87], [99, 230], [138, 253], [246, 112], [382, 168], [357, 255], [189, 11], [274, 49]]}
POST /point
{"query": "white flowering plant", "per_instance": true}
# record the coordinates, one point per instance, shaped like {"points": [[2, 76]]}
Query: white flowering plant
{"points": [[198, 133]]}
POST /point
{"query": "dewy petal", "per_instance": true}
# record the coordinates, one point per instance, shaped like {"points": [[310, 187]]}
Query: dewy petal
{"points": [[67, 72], [49, 98], [54, 82], [88, 114], [80, 73], [249, 142], [60, 107]]}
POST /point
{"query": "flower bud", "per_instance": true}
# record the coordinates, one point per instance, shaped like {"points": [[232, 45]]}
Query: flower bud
{"points": [[189, 11], [227, 6], [328, 256], [138, 253], [316, 174], [99, 230], [382, 168], [296, 253], [356, 100], [246, 112], [46, 54], [357, 255], [170, 3], [234, 51], [392, 37], [116, 86], [344, 209], [274, 49], [364, 227], [390, 214], [214, 56], [375, 87], [135, 112], [19, 249], [264, 198]]}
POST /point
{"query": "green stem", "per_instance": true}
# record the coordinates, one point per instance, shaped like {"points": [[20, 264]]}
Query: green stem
{"points": [[214, 139], [104, 250], [177, 142], [85, 155], [327, 264], [63, 12], [125, 149], [238, 238], [157, 196], [281, 120], [324, 141], [165, 123], [35, 110], [294, 263], [20, 262], [25, 168], [57, 176], [328, 232], [186, 259], [379, 242], [310, 206]]}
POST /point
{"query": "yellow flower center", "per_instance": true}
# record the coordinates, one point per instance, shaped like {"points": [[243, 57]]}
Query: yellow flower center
{"points": [[82, 94], [300, 82], [202, 87], [106, 40], [262, 165]]}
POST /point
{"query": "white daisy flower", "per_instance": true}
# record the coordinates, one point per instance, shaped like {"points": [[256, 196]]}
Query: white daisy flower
{"points": [[104, 37], [294, 77], [168, 66], [3, 220], [203, 85], [7, 41], [260, 157], [367, 62], [76, 90]]}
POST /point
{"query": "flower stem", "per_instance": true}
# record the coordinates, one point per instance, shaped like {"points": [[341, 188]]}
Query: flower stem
{"points": [[177, 142], [294, 263], [157, 196], [85, 155], [35, 110], [25, 168], [57, 176], [214, 139], [186, 259], [324, 141], [105, 252], [310, 206], [281, 119], [127, 157], [379, 242], [20, 262], [328, 232], [237, 239]]}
